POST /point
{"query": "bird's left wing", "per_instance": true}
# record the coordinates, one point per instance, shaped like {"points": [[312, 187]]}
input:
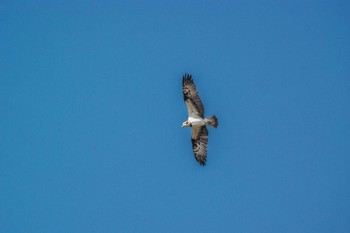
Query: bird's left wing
{"points": [[199, 144], [193, 102]]}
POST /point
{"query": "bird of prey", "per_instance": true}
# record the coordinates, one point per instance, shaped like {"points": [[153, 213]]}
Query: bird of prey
{"points": [[196, 119]]}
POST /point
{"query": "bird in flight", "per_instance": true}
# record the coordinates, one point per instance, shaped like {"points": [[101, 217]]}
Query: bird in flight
{"points": [[196, 119]]}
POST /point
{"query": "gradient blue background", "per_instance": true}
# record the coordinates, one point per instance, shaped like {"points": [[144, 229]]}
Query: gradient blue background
{"points": [[91, 111]]}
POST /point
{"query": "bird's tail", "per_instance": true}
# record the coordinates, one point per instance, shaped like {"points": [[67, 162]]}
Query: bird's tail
{"points": [[211, 121]]}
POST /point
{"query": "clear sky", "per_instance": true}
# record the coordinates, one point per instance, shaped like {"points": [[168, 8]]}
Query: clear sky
{"points": [[91, 111]]}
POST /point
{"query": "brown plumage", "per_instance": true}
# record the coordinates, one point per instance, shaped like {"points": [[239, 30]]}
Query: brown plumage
{"points": [[199, 144], [196, 119], [191, 97]]}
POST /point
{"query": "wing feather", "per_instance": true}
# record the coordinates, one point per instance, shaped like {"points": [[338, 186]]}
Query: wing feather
{"points": [[199, 144], [193, 102]]}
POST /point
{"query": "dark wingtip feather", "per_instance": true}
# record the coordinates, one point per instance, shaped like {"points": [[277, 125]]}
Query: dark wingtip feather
{"points": [[201, 160], [186, 79], [202, 163]]}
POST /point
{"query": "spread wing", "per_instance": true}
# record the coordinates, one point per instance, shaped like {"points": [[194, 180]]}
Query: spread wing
{"points": [[193, 102], [199, 144]]}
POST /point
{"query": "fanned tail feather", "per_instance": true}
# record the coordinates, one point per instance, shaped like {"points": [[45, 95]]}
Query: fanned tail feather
{"points": [[212, 121]]}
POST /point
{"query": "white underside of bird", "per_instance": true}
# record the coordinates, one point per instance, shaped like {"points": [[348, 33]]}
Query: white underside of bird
{"points": [[197, 121], [194, 121]]}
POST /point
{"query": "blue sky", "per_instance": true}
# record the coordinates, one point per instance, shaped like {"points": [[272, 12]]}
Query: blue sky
{"points": [[91, 114]]}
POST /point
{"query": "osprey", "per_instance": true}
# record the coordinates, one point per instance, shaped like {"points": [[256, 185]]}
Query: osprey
{"points": [[196, 119]]}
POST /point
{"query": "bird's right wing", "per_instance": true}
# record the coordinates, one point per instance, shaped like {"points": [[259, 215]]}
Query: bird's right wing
{"points": [[199, 144]]}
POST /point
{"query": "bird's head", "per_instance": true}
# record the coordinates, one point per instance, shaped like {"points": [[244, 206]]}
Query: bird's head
{"points": [[185, 124]]}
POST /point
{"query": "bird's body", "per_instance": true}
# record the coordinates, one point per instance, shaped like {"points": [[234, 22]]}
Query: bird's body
{"points": [[196, 119]]}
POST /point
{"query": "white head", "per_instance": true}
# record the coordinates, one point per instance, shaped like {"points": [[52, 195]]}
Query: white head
{"points": [[185, 124]]}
